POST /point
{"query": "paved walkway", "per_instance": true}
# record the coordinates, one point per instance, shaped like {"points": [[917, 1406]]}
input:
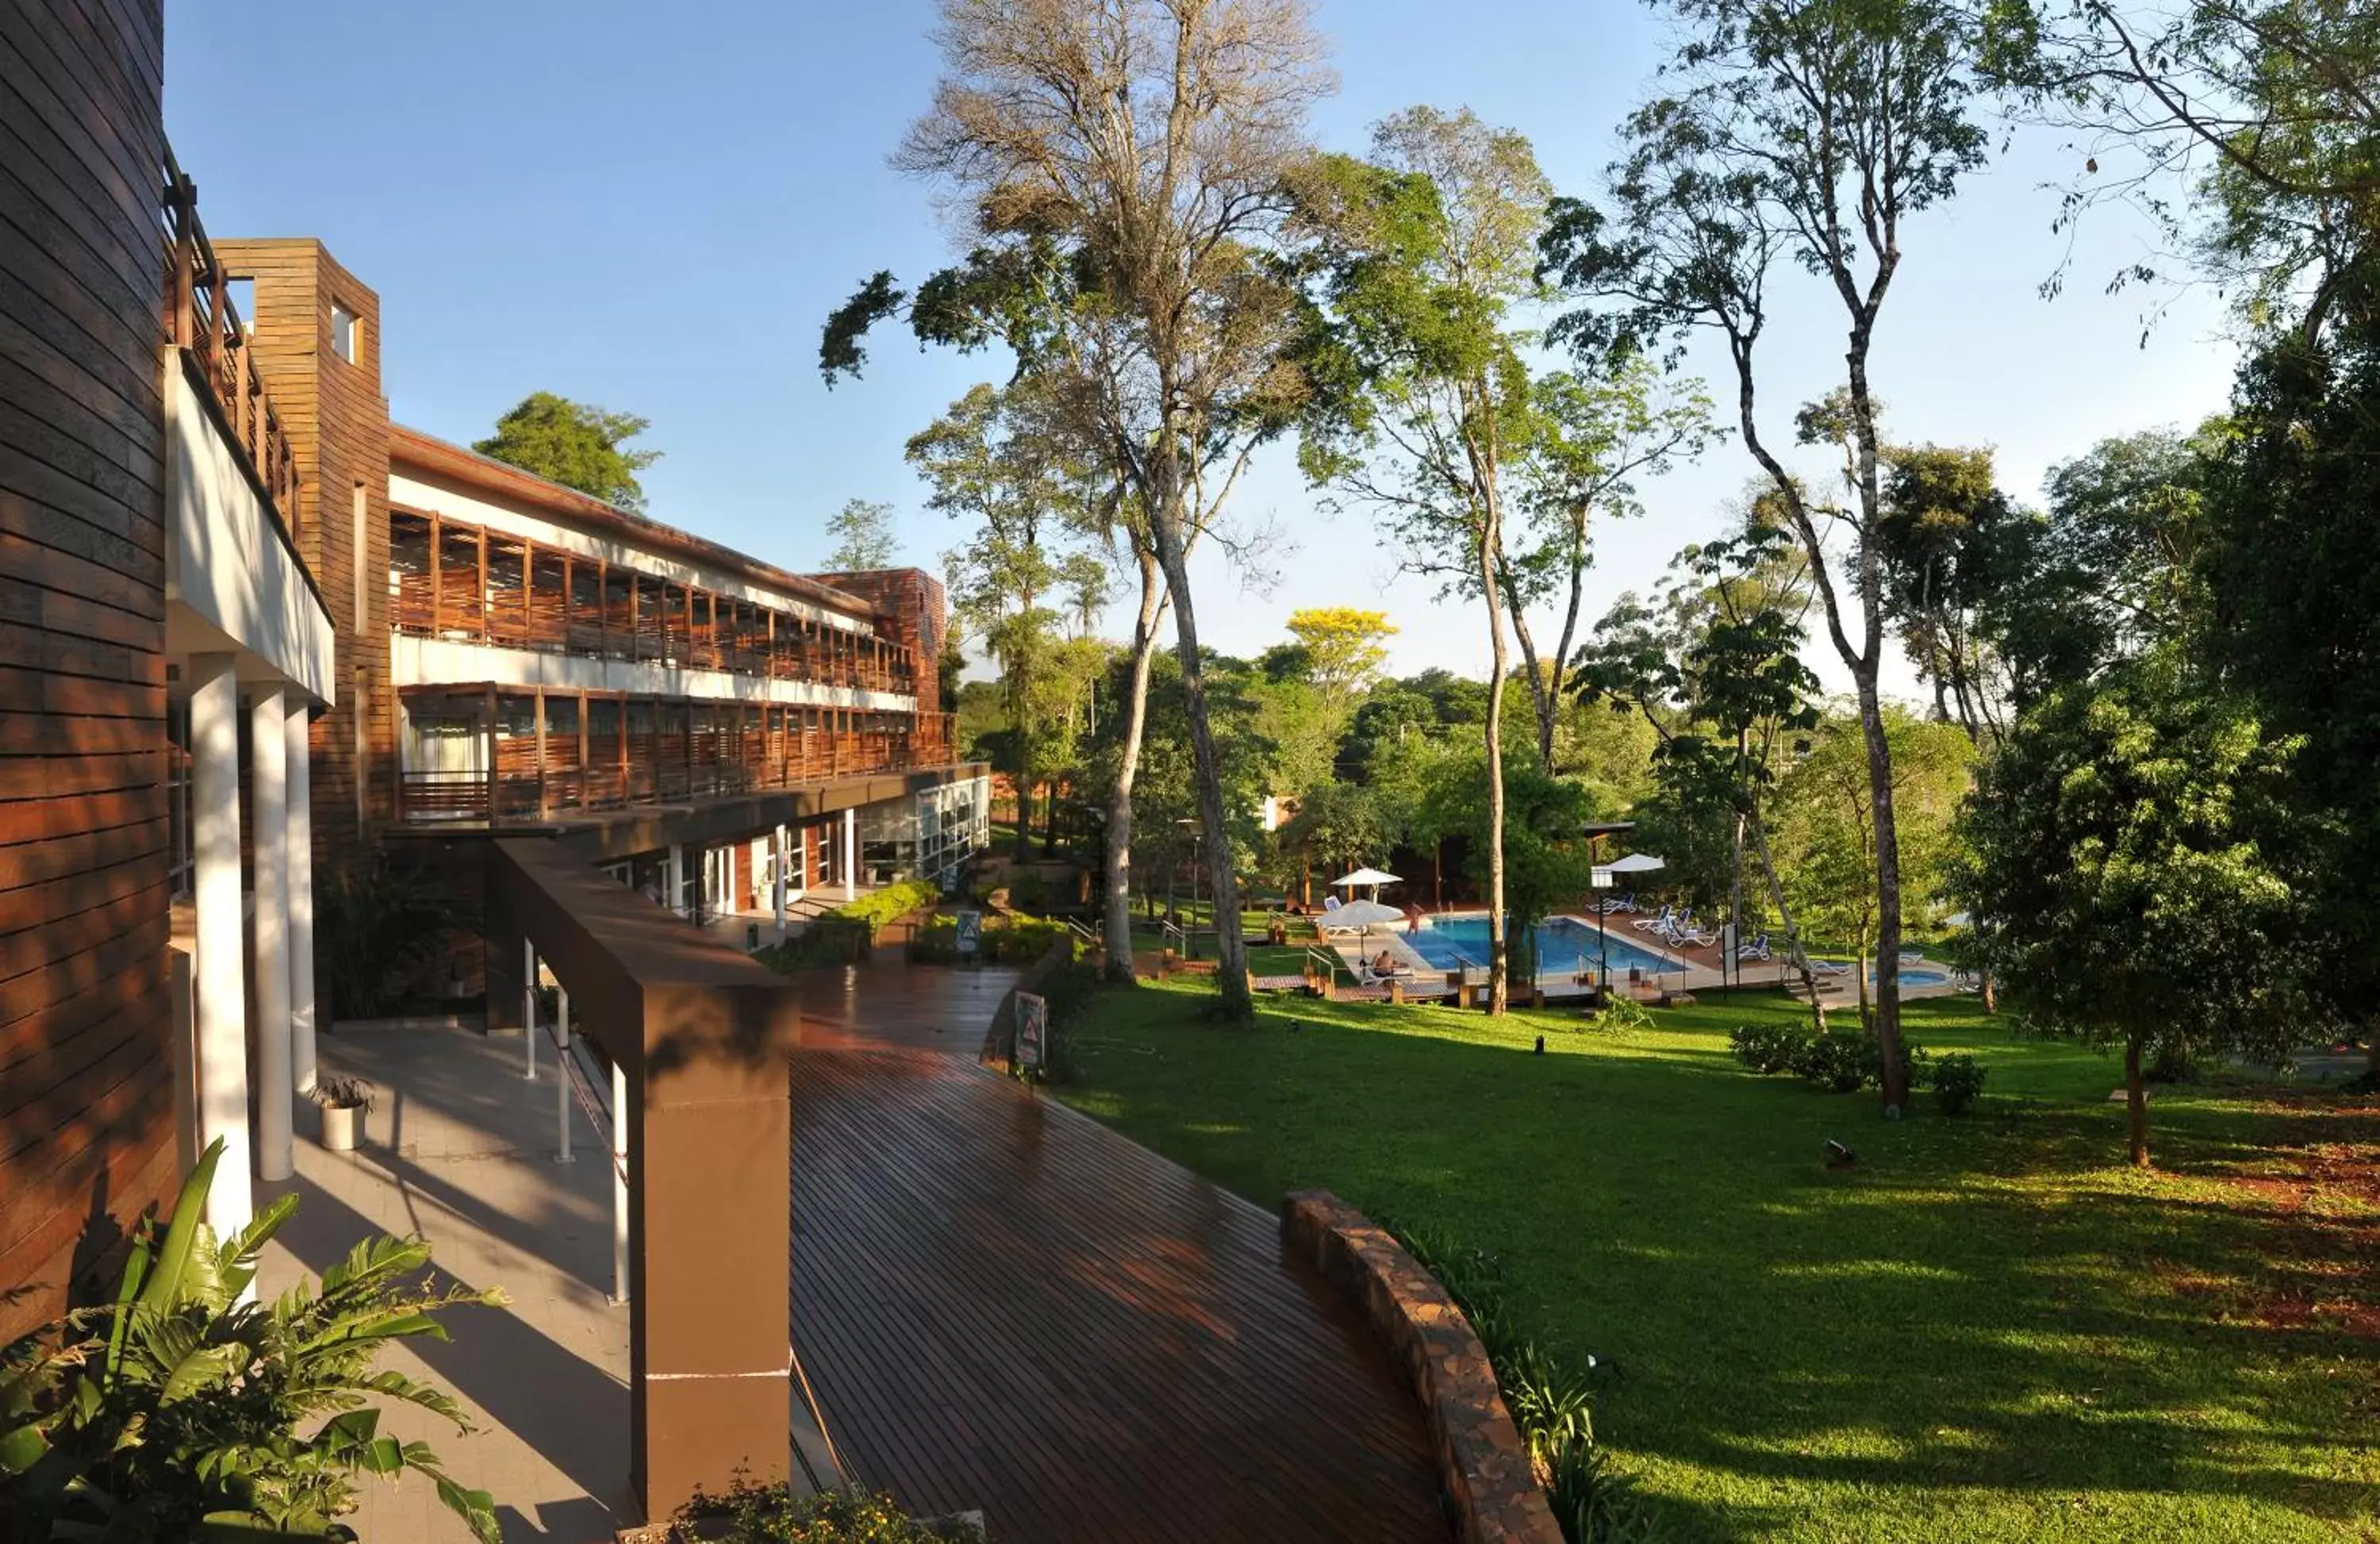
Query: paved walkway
{"points": [[460, 1148], [1004, 1305]]}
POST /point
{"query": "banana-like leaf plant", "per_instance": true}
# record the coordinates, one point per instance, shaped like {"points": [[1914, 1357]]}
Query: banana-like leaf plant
{"points": [[175, 1411]]}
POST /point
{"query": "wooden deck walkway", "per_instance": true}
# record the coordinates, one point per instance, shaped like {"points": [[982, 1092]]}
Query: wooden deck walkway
{"points": [[1004, 1305]]}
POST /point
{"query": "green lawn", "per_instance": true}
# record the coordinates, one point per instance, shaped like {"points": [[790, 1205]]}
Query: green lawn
{"points": [[1989, 1328]]}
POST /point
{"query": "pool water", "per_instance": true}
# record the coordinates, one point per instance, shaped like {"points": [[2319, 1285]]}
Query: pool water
{"points": [[1564, 947]]}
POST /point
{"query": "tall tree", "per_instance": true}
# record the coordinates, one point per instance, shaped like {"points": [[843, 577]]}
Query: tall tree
{"points": [[2292, 586], [989, 465], [2265, 110], [575, 444], [1599, 430], [1795, 134], [864, 538], [1344, 649], [1425, 409], [1952, 542], [1713, 667], [1124, 166]]}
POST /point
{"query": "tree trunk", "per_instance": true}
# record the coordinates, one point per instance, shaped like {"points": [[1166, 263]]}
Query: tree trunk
{"points": [[2136, 1106], [1794, 949], [1119, 831], [1888, 898], [1232, 956], [1544, 695], [1499, 946]]}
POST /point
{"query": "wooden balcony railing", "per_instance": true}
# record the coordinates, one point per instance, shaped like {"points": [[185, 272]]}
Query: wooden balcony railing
{"points": [[201, 320], [457, 580], [542, 755]]}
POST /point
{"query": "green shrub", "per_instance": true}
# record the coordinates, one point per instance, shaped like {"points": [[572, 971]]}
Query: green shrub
{"points": [[1006, 941], [374, 927], [1958, 1083], [829, 939], [772, 1514], [1841, 1059], [1767, 1048], [174, 1412], [890, 904]]}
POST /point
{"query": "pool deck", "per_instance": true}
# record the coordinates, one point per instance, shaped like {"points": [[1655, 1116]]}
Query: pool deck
{"points": [[1693, 969]]}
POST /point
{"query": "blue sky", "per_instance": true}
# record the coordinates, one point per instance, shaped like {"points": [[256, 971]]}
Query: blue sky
{"points": [[653, 206]]}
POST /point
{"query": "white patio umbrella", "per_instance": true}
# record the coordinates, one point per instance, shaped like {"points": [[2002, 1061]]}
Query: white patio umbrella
{"points": [[1363, 876], [1634, 863], [1359, 917], [1356, 916]]}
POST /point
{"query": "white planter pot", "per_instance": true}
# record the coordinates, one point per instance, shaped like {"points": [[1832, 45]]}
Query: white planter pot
{"points": [[339, 1126]]}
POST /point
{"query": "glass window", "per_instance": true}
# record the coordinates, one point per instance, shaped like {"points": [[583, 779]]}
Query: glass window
{"points": [[343, 331]]}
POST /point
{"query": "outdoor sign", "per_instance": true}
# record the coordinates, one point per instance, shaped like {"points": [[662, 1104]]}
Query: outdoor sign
{"points": [[970, 933], [1032, 1030]]}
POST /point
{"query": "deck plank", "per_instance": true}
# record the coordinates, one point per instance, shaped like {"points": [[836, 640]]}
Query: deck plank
{"points": [[1004, 1305]]}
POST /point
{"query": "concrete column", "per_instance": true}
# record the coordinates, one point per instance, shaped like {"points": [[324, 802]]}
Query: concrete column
{"points": [[221, 948], [785, 881], [301, 899], [277, 1093], [850, 854], [803, 835], [528, 1004], [562, 1074], [675, 882], [619, 1182]]}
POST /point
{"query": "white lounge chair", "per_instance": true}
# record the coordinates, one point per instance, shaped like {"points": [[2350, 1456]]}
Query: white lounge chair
{"points": [[1755, 950], [1657, 924]]}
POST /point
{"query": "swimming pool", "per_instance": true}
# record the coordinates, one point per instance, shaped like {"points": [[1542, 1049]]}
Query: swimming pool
{"points": [[1565, 947]]}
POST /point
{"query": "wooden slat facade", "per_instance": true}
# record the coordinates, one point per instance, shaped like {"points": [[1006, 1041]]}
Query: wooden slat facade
{"points": [[86, 1100], [459, 581], [553, 752], [336, 419]]}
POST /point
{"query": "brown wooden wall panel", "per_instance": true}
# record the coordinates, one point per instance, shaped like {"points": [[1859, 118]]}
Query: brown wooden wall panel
{"points": [[337, 422], [86, 1107]]}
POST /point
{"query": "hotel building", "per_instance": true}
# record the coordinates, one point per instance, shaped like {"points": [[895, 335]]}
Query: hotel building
{"points": [[256, 639]]}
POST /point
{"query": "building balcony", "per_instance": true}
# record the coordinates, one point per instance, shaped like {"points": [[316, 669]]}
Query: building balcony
{"points": [[461, 582], [492, 753]]}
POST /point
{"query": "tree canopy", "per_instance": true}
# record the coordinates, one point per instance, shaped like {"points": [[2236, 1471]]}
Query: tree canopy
{"points": [[575, 444]]}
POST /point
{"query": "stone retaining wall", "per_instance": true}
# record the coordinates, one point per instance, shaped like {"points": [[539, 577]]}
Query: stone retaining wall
{"points": [[1480, 1457]]}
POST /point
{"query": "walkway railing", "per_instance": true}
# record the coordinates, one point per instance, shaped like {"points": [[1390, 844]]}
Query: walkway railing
{"points": [[462, 582], [547, 753], [200, 319]]}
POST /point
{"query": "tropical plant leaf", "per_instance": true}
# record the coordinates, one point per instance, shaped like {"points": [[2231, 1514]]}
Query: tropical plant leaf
{"points": [[162, 1288], [199, 1369], [477, 1508], [399, 1386], [22, 1447]]}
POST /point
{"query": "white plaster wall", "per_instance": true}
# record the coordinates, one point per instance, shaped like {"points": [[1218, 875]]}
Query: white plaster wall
{"points": [[511, 519], [227, 562], [415, 661]]}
